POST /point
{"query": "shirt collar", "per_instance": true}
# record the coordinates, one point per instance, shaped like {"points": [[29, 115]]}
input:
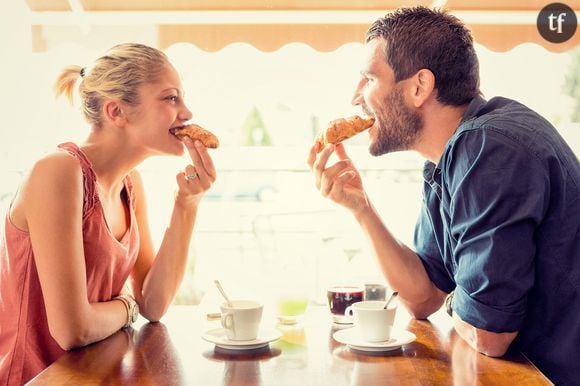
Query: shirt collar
{"points": [[472, 111], [473, 108]]}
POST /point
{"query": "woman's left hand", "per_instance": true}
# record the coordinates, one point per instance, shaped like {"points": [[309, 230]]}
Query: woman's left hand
{"points": [[199, 176]]}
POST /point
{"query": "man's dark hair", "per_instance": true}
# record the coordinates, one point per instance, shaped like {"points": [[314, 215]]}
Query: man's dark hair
{"points": [[419, 38]]}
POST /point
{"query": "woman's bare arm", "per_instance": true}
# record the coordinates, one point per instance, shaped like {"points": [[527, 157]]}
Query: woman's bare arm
{"points": [[52, 198]]}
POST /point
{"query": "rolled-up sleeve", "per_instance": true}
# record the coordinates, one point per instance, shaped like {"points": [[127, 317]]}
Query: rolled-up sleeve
{"points": [[495, 201]]}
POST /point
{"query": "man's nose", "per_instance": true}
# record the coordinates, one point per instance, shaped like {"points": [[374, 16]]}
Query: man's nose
{"points": [[357, 98]]}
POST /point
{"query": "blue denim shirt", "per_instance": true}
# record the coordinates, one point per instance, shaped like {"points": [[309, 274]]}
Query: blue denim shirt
{"points": [[500, 226]]}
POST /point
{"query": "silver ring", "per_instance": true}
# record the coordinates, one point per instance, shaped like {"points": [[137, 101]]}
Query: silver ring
{"points": [[191, 177]]}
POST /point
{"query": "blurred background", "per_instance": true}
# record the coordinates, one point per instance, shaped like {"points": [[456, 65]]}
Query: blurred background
{"points": [[265, 76]]}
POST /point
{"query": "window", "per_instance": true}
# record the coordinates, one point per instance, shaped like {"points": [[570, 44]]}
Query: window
{"points": [[263, 222]]}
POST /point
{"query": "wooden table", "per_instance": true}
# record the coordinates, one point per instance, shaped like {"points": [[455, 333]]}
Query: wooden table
{"points": [[172, 352]]}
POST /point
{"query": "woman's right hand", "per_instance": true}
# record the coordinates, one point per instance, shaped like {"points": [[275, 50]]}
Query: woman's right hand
{"points": [[340, 182], [198, 177]]}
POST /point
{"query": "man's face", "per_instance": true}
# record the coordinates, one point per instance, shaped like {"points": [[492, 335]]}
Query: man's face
{"points": [[397, 125]]}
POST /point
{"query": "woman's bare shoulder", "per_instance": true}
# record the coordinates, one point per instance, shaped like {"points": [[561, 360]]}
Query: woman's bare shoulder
{"points": [[55, 172], [54, 178], [58, 166]]}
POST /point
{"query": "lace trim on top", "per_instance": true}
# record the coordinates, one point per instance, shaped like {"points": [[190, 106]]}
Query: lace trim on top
{"points": [[90, 179]]}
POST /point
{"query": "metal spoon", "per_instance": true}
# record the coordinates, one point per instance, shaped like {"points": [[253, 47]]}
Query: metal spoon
{"points": [[393, 295], [219, 287]]}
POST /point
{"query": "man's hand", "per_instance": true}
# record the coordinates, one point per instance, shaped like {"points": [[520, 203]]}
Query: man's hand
{"points": [[340, 182]]}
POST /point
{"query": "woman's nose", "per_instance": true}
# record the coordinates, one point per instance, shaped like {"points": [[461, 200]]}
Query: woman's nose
{"points": [[185, 114]]}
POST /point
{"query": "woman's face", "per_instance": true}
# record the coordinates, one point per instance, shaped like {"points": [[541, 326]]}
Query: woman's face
{"points": [[162, 108]]}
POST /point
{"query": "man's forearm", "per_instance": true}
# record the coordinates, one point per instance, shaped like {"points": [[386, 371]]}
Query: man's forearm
{"points": [[492, 344], [401, 267]]}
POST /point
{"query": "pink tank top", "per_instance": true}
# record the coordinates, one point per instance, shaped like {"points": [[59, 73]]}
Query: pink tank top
{"points": [[26, 346]]}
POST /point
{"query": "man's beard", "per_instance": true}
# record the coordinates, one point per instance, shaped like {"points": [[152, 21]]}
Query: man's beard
{"points": [[398, 125]]}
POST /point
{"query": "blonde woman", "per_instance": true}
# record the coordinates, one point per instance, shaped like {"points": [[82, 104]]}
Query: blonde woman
{"points": [[77, 229]]}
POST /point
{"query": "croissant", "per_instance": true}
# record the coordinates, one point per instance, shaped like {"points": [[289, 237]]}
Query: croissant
{"points": [[343, 128], [197, 132]]}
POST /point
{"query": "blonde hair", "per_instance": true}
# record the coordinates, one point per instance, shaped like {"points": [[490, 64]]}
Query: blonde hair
{"points": [[116, 75]]}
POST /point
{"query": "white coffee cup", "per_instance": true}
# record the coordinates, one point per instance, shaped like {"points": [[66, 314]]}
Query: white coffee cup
{"points": [[241, 320], [372, 322]]}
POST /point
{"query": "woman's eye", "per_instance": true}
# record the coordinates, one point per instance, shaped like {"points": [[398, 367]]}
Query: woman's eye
{"points": [[172, 98]]}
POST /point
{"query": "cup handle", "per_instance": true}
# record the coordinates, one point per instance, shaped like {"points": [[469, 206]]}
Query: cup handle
{"points": [[227, 321], [348, 311]]}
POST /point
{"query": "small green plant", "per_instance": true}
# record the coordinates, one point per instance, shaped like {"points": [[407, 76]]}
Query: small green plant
{"points": [[254, 130]]}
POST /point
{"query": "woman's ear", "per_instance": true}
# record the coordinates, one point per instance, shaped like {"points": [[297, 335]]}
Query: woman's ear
{"points": [[423, 83], [113, 112]]}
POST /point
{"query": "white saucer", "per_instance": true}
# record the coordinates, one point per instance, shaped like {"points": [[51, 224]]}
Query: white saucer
{"points": [[350, 338], [218, 337], [342, 319]]}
